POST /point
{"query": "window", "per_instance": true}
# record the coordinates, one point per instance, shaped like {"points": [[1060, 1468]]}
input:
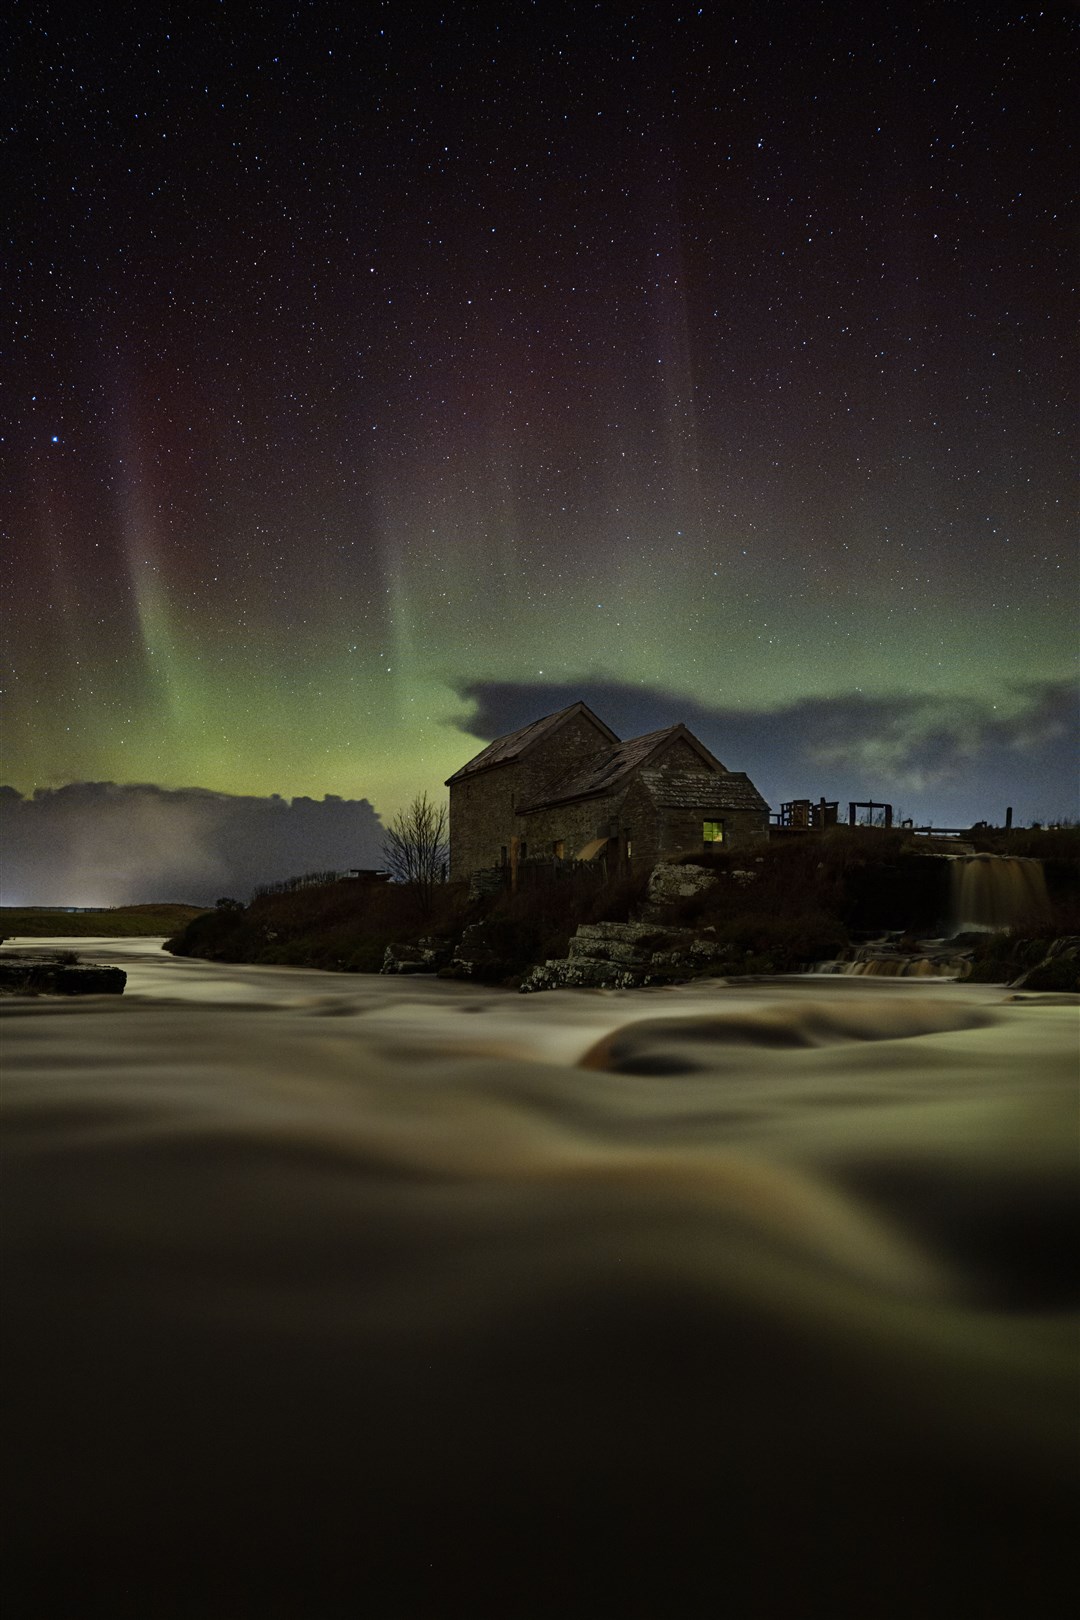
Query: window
{"points": [[712, 832], [502, 856], [557, 848]]}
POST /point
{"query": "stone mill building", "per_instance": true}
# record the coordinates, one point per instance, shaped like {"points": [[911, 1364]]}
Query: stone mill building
{"points": [[565, 788]]}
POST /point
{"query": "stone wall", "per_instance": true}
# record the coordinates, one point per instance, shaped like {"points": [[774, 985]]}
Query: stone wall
{"points": [[679, 832], [574, 743], [659, 832], [576, 824], [679, 756], [483, 819], [582, 821]]}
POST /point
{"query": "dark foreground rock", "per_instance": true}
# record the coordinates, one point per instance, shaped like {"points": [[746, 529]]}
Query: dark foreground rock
{"points": [[58, 976], [1059, 969], [481, 954]]}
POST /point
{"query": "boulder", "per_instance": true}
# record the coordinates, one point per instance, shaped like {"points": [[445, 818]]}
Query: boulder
{"points": [[479, 955], [626, 956], [60, 975], [425, 956], [1058, 970], [669, 883]]}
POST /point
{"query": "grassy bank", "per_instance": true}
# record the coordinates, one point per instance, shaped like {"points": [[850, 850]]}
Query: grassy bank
{"points": [[343, 924], [794, 902], [346, 924], [120, 922]]}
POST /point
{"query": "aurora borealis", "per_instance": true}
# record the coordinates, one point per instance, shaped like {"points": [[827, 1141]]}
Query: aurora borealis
{"points": [[383, 371]]}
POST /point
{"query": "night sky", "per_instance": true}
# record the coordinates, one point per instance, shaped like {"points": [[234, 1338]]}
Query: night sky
{"points": [[384, 376]]}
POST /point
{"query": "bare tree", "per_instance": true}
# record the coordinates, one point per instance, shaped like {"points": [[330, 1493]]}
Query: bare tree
{"points": [[416, 847]]}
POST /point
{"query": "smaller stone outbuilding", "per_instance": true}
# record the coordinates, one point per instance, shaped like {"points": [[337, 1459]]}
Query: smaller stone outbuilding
{"points": [[688, 811]]}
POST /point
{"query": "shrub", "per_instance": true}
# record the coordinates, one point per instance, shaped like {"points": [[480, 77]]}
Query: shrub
{"points": [[340, 923]]}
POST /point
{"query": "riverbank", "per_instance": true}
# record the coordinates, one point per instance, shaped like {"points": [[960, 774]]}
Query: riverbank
{"points": [[793, 904], [119, 922]]}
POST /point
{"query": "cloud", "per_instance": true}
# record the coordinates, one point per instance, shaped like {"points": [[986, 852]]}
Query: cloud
{"points": [[948, 760], [102, 843]]}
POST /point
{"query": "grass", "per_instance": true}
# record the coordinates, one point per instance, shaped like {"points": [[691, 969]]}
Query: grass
{"points": [[343, 924], [119, 922], [346, 925]]}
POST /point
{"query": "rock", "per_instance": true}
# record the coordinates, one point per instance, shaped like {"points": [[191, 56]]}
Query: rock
{"points": [[479, 955], [669, 883], [1058, 970], [62, 975], [908, 959], [489, 880], [626, 956], [426, 956]]}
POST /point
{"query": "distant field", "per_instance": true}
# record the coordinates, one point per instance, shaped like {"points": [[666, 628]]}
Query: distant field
{"points": [[39, 922]]}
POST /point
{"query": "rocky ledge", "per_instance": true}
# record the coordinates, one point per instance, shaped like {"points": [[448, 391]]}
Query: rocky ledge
{"points": [[426, 956], [59, 975], [626, 956]]}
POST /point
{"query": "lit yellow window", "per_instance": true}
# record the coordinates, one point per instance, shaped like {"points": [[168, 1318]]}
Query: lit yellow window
{"points": [[712, 832]]}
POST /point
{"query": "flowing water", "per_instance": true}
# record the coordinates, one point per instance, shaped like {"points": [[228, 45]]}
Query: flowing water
{"points": [[993, 892], [332, 1296], [896, 966]]}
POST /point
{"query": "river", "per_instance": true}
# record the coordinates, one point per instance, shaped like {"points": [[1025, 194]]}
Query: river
{"points": [[333, 1296]]}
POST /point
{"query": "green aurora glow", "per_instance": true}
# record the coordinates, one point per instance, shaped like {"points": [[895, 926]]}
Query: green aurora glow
{"points": [[324, 416]]}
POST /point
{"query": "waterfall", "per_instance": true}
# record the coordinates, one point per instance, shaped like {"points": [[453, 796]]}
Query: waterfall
{"points": [[908, 967], [895, 966], [988, 893]]}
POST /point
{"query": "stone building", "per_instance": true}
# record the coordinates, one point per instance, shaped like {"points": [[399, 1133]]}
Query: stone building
{"points": [[566, 788]]}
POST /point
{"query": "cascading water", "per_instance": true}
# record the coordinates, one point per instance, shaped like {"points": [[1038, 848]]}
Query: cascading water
{"points": [[906, 967], [989, 893]]}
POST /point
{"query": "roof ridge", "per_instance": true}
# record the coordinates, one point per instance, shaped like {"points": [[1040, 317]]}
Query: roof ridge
{"points": [[608, 768], [692, 789], [501, 750]]}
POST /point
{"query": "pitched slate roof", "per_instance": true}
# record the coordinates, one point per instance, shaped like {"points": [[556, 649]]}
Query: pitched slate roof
{"points": [[514, 744], [606, 772], [693, 790]]}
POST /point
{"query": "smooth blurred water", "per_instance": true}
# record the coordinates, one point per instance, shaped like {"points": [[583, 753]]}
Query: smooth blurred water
{"points": [[331, 1295], [991, 892]]}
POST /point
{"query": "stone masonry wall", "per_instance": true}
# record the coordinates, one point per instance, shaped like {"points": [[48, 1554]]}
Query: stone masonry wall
{"points": [[483, 817], [576, 824], [579, 823], [679, 756], [657, 833], [679, 831], [574, 744]]}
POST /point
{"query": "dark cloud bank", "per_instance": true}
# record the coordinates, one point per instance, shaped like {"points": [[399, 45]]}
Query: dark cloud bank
{"points": [[95, 843], [946, 761]]}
